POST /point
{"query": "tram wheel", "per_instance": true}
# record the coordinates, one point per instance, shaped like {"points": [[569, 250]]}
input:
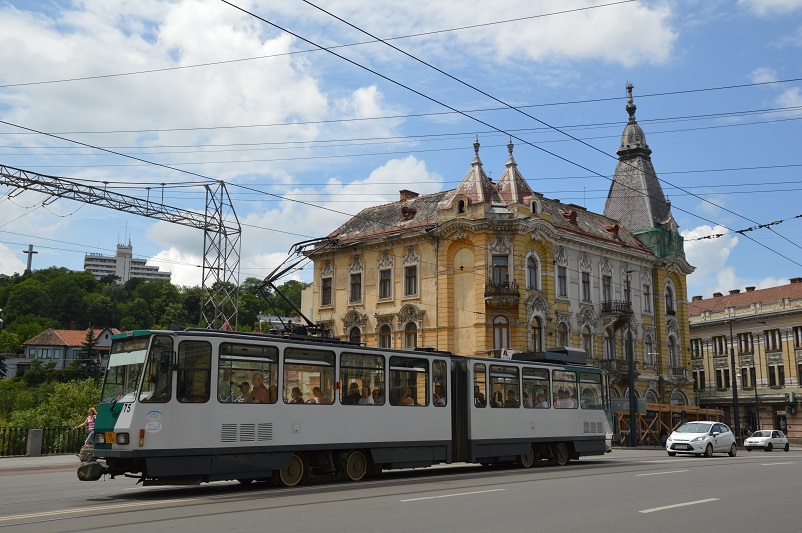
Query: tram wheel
{"points": [[526, 460], [562, 454], [293, 473], [356, 465]]}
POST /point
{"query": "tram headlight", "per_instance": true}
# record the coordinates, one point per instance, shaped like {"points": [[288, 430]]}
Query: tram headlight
{"points": [[123, 438], [100, 438]]}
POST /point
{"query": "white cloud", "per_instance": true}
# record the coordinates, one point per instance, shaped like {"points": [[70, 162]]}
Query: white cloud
{"points": [[9, 262], [771, 7], [763, 75], [709, 256]]}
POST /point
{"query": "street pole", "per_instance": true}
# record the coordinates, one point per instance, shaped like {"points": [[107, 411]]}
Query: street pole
{"points": [[633, 423], [757, 402], [735, 387]]}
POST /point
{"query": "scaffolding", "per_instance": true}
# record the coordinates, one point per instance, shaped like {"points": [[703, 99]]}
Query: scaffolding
{"points": [[659, 420]]}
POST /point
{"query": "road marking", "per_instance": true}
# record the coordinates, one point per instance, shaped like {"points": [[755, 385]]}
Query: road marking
{"points": [[652, 510], [91, 509], [661, 473], [772, 464], [451, 495]]}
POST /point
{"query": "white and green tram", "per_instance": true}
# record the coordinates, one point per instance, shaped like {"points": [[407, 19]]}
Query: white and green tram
{"points": [[194, 406]]}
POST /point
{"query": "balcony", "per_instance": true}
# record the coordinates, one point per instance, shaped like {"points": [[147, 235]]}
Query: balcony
{"points": [[619, 368], [678, 376], [500, 295]]}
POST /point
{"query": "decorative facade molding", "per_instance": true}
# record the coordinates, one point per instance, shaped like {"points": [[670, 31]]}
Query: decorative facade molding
{"points": [[356, 265], [410, 313], [411, 257], [584, 262], [327, 270], [386, 260], [604, 267], [500, 245], [354, 318], [559, 256]]}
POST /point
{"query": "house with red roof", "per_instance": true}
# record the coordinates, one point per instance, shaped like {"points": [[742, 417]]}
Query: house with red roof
{"points": [[66, 345]]}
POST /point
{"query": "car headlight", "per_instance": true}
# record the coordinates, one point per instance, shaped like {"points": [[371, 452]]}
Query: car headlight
{"points": [[698, 439]]}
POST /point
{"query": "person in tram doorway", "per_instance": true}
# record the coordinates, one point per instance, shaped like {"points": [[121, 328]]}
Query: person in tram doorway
{"points": [[439, 397], [90, 423]]}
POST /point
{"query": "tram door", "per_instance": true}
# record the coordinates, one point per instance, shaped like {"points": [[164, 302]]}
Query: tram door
{"points": [[193, 382]]}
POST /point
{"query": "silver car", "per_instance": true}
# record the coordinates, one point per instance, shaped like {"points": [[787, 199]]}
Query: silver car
{"points": [[701, 438], [767, 439]]}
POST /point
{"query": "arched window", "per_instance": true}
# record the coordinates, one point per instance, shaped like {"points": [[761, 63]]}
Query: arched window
{"points": [[531, 274], [562, 334], [355, 335], [670, 309], [461, 206], [651, 396], [385, 337], [537, 335], [609, 345], [677, 398], [673, 356], [501, 333], [411, 335], [587, 341], [649, 355]]}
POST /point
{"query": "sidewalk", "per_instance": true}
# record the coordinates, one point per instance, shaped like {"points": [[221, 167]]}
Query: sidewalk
{"points": [[44, 462]]}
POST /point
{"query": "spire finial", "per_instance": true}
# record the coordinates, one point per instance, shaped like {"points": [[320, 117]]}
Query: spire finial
{"points": [[510, 146], [476, 146], [631, 107]]}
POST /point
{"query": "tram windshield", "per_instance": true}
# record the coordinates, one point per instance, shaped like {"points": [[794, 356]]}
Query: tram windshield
{"points": [[126, 361]]}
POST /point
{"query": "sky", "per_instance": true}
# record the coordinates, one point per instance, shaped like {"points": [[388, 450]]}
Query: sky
{"points": [[312, 111]]}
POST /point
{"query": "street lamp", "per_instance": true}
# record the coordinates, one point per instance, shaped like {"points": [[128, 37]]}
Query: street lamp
{"points": [[633, 427], [734, 387]]}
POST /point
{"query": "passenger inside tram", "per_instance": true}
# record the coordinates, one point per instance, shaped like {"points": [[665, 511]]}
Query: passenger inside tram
{"points": [[511, 401], [407, 399]]}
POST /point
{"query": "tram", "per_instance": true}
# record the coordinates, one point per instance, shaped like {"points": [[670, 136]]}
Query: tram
{"points": [[194, 406]]}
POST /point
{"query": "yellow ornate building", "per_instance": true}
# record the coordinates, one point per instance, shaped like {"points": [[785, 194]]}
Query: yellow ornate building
{"points": [[492, 266]]}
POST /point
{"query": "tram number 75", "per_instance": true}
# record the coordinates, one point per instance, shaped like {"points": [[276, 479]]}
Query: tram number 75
{"points": [[127, 408]]}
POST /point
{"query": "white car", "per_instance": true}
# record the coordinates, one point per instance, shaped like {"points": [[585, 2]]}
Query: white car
{"points": [[767, 439], [701, 438]]}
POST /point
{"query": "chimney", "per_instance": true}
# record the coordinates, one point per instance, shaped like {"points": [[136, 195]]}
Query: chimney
{"points": [[717, 295], [750, 289], [696, 299], [407, 195], [796, 280], [735, 291]]}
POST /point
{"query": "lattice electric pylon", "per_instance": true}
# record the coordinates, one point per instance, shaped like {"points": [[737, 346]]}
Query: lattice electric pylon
{"points": [[221, 238]]}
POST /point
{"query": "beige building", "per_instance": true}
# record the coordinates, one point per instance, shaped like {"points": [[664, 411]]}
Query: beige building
{"points": [[490, 266], [762, 331]]}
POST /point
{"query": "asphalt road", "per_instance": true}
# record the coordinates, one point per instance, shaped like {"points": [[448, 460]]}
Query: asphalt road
{"points": [[625, 491]]}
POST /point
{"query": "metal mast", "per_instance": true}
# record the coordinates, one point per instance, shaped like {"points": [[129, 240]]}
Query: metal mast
{"points": [[221, 227]]}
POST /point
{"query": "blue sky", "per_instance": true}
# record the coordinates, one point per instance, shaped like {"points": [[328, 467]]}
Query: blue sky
{"points": [[304, 138]]}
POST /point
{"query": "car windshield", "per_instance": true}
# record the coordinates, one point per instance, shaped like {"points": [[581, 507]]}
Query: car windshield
{"points": [[761, 434], [694, 427]]}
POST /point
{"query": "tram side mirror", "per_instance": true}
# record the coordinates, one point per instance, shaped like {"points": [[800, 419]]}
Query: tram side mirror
{"points": [[165, 361]]}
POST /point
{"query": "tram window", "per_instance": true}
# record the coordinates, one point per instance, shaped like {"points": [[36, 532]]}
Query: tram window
{"points": [[565, 389], [237, 366], [194, 371], [360, 374], [504, 386], [309, 370], [590, 390], [536, 388], [439, 377], [157, 385], [409, 381], [479, 385]]}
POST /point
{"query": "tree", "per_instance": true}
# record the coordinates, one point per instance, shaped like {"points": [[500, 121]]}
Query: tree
{"points": [[3, 368], [89, 366], [59, 404], [9, 342], [136, 315], [39, 372]]}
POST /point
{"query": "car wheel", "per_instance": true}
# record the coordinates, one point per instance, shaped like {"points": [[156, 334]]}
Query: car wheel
{"points": [[733, 450], [672, 454], [769, 447], [787, 447], [709, 451]]}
